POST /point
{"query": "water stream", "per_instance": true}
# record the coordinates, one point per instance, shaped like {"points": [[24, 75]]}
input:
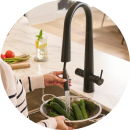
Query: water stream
{"points": [[67, 101]]}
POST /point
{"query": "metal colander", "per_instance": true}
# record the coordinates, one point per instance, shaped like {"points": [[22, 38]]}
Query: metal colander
{"points": [[78, 123]]}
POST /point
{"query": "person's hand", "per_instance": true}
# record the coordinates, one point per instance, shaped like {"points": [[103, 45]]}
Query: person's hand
{"points": [[53, 78], [61, 123]]}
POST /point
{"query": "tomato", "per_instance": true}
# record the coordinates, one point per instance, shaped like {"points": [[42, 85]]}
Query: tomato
{"points": [[3, 56], [9, 54]]}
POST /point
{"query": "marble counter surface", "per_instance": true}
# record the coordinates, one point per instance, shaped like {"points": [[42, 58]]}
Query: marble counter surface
{"points": [[115, 71]]}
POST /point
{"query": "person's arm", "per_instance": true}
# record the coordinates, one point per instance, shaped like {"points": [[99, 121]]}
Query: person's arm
{"points": [[9, 81], [50, 79], [33, 82]]}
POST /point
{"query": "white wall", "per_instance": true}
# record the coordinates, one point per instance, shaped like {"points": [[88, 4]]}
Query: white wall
{"points": [[43, 13], [49, 12], [61, 14]]}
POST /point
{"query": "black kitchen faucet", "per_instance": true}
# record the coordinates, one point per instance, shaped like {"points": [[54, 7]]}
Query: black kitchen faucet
{"points": [[89, 77]]}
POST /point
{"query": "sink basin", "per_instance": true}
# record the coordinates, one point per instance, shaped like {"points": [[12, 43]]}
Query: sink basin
{"points": [[58, 91], [104, 112]]}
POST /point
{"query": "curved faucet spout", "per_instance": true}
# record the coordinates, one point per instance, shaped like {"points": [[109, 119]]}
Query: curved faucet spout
{"points": [[66, 45]]}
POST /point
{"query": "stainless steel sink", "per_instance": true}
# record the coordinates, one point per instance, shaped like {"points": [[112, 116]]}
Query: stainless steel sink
{"points": [[57, 91], [104, 112], [34, 101]]}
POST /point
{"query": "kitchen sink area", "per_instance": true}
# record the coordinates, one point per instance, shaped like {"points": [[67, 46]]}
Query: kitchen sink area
{"points": [[58, 91], [115, 71], [36, 115]]}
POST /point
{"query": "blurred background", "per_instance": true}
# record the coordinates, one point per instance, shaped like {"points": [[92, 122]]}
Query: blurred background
{"points": [[106, 35]]}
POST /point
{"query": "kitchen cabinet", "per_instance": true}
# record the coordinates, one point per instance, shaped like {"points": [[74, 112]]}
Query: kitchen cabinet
{"points": [[43, 13]]}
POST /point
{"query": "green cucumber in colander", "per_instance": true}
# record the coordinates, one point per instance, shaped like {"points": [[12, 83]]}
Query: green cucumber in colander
{"points": [[72, 113], [83, 108], [59, 101], [60, 110], [77, 112], [52, 114]]}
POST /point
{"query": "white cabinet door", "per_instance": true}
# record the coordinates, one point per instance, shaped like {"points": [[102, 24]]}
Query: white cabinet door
{"points": [[43, 13]]}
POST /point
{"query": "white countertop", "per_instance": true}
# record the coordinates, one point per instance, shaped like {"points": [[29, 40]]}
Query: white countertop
{"points": [[115, 71]]}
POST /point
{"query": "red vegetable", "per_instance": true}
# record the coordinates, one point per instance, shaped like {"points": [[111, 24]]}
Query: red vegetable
{"points": [[9, 54], [3, 56]]}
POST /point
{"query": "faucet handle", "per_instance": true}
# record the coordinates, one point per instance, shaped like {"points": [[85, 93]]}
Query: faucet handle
{"points": [[96, 79], [101, 74]]}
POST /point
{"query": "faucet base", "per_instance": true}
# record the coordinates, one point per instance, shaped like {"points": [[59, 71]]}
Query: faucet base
{"points": [[89, 88]]}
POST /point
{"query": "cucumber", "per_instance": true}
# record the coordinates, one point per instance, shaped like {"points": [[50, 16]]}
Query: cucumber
{"points": [[82, 108], [60, 102], [60, 110], [90, 107], [72, 114], [77, 112], [52, 114], [70, 117], [46, 105], [77, 102]]}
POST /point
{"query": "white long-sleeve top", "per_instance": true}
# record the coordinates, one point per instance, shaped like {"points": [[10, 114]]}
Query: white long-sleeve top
{"points": [[17, 89]]}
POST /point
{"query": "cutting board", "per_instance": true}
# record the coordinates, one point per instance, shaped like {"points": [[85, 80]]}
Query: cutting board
{"points": [[19, 65]]}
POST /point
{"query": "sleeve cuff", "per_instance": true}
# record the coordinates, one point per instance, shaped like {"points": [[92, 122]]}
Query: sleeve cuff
{"points": [[51, 123], [37, 82]]}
